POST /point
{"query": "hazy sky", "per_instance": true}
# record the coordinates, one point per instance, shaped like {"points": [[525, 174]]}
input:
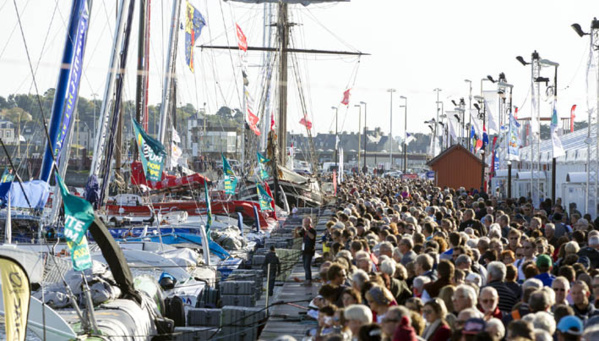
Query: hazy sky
{"points": [[415, 47]]}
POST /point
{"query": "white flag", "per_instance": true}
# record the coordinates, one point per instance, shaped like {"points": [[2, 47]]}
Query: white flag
{"points": [[176, 153], [451, 128], [176, 137], [491, 111]]}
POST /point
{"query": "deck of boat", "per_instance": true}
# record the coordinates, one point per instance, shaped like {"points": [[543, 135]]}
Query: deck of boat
{"points": [[289, 317]]}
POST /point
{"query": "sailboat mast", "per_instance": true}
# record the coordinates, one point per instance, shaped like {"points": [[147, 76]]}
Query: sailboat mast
{"points": [[283, 28], [169, 71], [100, 144], [142, 63]]}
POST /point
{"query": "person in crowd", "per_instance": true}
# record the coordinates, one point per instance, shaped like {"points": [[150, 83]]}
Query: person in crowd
{"points": [[583, 309], [489, 303], [496, 272], [356, 316], [434, 313], [272, 267], [561, 287], [308, 234]]}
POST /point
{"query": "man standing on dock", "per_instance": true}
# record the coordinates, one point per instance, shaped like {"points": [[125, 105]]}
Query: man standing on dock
{"points": [[308, 233]]}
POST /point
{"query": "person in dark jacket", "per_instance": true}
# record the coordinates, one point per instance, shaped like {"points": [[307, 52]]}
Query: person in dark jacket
{"points": [[496, 279], [275, 268]]}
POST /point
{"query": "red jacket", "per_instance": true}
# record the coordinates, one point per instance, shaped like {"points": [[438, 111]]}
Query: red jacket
{"points": [[442, 333]]}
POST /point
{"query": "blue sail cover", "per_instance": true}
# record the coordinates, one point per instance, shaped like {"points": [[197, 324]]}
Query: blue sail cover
{"points": [[37, 191]]}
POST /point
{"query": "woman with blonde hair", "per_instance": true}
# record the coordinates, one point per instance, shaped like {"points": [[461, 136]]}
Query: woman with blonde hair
{"points": [[434, 313]]}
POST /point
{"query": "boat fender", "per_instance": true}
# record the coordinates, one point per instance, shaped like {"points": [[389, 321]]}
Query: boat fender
{"points": [[165, 326], [175, 310]]}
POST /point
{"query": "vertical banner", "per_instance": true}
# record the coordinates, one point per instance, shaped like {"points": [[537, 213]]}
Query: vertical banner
{"points": [[153, 153], [16, 293], [556, 143], [229, 177], [194, 22], [341, 165], [491, 106], [264, 198], [513, 147], [261, 171]]}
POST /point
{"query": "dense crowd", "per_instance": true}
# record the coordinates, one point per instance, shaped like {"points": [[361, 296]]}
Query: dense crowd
{"points": [[405, 260]]}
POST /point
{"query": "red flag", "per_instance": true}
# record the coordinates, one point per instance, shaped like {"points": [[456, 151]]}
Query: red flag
{"points": [[306, 123], [572, 117], [516, 113], [241, 39], [253, 122], [345, 100], [272, 121]]}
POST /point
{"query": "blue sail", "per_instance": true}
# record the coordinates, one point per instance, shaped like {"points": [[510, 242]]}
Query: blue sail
{"points": [[67, 90]]}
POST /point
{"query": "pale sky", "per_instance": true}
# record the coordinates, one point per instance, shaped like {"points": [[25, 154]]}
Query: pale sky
{"points": [[415, 47]]}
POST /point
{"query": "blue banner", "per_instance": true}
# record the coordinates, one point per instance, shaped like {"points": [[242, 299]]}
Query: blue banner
{"points": [[67, 90], [193, 28]]}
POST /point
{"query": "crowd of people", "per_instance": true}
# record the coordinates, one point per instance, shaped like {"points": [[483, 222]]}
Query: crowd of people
{"points": [[405, 260]]}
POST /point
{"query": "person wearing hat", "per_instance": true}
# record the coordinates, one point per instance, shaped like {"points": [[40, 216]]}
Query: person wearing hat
{"points": [[472, 327], [544, 264], [569, 328]]}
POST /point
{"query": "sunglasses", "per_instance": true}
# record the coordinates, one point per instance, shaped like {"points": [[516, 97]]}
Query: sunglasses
{"points": [[427, 311], [519, 255], [559, 289], [488, 301]]}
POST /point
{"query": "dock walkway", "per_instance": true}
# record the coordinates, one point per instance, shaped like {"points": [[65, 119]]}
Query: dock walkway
{"points": [[289, 317]]}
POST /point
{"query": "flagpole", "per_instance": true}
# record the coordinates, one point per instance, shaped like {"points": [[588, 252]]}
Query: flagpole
{"points": [[391, 91]]}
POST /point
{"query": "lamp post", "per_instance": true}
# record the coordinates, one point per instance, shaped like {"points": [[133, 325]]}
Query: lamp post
{"points": [[336, 138], [359, 129], [405, 144], [478, 105], [440, 117], [594, 40], [436, 122], [365, 170], [391, 91], [545, 62], [469, 112], [535, 110]]}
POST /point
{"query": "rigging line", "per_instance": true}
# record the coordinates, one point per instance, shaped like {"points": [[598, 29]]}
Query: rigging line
{"points": [[44, 43], [13, 31], [329, 31], [212, 63], [231, 55], [34, 82]]}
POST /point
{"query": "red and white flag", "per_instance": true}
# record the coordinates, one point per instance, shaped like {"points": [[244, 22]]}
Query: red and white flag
{"points": [[345, 100], [572, 117], [241, 39]]}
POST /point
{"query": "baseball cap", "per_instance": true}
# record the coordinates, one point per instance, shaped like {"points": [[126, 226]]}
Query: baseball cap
{"points": [[544, 260], [571, 325], [474, 326]]}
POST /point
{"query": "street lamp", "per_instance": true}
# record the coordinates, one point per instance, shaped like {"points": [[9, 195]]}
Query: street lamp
{"points": [[594, 40], [391, 91], [546, 62], [365, 170], [436, 122], [469, 111], [336, 138], [359, 129], [481, 101], [405, 144], [534, 75]]}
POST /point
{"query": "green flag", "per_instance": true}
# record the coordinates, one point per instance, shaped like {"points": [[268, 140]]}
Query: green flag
{"points": [[262, 173], [229, 175], [79, 214], [264, 198], [261, 158], [208, 212], [153, 154], [80, 256]]}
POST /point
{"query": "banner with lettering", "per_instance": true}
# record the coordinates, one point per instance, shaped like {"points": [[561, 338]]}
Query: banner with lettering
{"points": [[80, 256], [153, 153], [16, 293], [79, 214], [263, 198]]}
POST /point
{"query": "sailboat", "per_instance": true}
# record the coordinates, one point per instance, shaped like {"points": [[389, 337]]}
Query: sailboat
{"points": [[290, 188]]}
